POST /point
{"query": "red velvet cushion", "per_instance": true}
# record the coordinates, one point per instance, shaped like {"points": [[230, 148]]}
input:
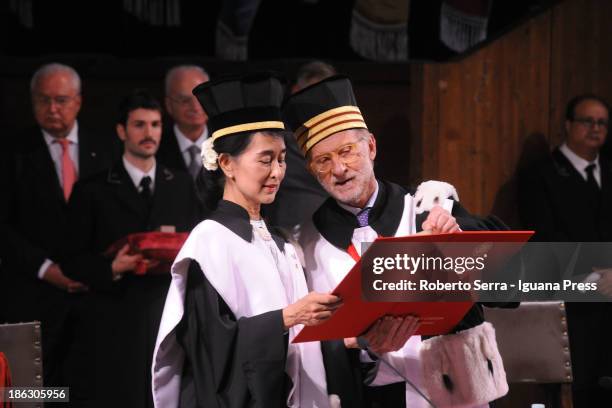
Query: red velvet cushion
{"points": [[157, 246]]}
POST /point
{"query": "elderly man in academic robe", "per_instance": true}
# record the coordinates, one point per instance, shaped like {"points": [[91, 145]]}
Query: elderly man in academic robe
{"points": [[340, 151]]}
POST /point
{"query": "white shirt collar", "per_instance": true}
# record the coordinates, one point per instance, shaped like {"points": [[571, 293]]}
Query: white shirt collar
{"points": [[370, 203], [185, 143], [578, 162], [136, 174], [73, 135]]}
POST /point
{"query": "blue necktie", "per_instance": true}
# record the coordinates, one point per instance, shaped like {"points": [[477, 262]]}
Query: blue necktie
{"points": [[362, 217]]}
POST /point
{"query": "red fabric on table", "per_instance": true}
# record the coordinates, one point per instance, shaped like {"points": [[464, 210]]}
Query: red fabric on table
{"points": [[157, 246]]}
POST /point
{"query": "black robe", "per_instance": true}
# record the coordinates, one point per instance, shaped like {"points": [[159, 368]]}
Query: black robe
{"points": [[229, 362]]}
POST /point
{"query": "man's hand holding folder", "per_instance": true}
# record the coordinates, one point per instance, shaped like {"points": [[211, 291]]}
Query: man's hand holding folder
{"points": [[127, 260], [387, 334]]}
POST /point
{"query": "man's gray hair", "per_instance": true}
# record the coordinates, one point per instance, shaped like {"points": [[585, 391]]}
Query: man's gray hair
{"points": [[364, 134], [179, 69], [313, 71], [54, 68]]}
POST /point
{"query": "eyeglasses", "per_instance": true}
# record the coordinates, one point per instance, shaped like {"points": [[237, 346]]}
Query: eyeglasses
{"points": [[591, 122], [44, 100], [182, 100], [347, 155]]}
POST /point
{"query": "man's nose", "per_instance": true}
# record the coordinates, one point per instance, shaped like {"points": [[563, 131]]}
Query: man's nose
{"points": [[338, 166], [53, 106], [149, 130], [194, 104]]}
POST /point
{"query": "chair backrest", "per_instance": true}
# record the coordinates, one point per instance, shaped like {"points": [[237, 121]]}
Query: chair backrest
{"points": [[533, 342], [21, 345]]}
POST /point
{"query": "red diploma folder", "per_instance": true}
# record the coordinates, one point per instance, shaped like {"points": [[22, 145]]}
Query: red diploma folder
{"points": [[157, 246], [355, 316]]}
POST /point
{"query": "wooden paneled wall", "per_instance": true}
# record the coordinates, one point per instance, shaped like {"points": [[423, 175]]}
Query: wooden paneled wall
{"points": [[476, 120], [581, 54]]}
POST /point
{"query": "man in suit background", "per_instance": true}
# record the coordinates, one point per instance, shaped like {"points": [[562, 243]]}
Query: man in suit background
{"points": [[137, 194], [567, 198], [299, 194], [37, 176], [564, 198], [181, 145]]}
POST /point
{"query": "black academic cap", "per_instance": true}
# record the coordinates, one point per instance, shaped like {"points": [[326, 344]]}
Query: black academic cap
{"points": [[242, 103], [322, 109]]}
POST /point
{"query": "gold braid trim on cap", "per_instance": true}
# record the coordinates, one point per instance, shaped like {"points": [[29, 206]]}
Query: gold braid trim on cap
{"points": [[327, 123], [354, 124], [245, 127]]}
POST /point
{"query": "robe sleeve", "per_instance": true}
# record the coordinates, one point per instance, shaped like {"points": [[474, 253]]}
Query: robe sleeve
{"points": [[470, 222], [229, 362]]}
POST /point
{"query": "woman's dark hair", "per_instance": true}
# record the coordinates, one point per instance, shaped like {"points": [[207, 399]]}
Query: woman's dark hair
{"points": [[211, 183]]}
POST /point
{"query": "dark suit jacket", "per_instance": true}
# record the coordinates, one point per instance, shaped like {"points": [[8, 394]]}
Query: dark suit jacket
{"points": [[554, 201], [126, 313], [33, 215], [169, 153]]}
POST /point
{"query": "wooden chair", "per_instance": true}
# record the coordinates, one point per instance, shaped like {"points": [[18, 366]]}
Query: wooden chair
{"points": [[534, 345]]}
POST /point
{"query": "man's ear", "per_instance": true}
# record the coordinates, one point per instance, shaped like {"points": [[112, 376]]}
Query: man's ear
{"points": [[78, 100], [121, 132], [568, 125], [372, 147]]}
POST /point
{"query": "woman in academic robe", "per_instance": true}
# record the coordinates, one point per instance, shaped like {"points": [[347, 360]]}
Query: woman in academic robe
{"points": [[238, 294]]}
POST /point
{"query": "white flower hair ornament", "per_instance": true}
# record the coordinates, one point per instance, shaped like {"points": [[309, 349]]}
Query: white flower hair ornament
{"points": [[209, 156]]}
